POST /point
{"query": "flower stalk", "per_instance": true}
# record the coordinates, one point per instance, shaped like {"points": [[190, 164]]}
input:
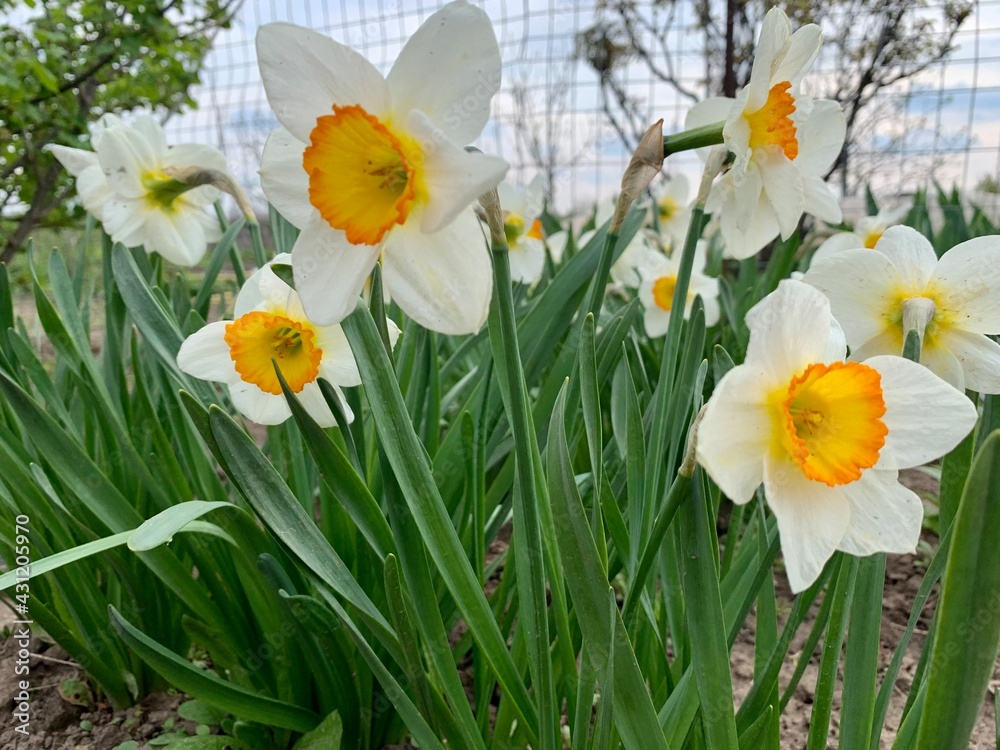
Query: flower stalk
{"points": [[688, 140], [529, 559]]}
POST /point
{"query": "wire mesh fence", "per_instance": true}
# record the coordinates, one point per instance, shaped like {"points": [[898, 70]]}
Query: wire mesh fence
{"points": [[566, 112]]}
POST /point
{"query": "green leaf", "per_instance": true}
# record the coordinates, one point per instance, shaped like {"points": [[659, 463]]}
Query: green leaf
{"points": [[635, 717], [208, 687], [160, 529], [324, 737], [200, 712], [281, 512], [967, 638], [405, 453], [706, 627]]}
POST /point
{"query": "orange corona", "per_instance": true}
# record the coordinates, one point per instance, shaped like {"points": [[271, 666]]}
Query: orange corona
{"points": [[363, 178], [257, 338], [829, 421], [772, 125]]}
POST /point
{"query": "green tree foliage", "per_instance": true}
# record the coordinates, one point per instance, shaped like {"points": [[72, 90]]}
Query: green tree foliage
{"points": [[63, 64]]}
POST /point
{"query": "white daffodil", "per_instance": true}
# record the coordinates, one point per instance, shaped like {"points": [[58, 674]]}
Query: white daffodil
{"points": [[658, 274], [955, 300], [637, 253], [826, 437], [368, 166], [521, 209], [124, 183], [867, 232], [673, 209], [783, 143], [270, 326]]}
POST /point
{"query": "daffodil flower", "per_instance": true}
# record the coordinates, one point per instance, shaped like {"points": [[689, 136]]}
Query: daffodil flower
{"points": [[871, 292], [367, 166], [672, 206], [783, 143], [124, 184], [867, 232], [645, 245], [521, 209], [826, 437], [658, 273], [270, 326]]}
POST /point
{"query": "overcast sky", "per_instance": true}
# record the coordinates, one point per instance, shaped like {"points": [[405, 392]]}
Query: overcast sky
{"points": [[952, 111]]}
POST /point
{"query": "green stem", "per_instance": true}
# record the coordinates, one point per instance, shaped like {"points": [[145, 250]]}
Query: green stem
{"points": [[601, 279], [911, 346], [706, 135], [678, 491], [529, 560], [259, 253]]}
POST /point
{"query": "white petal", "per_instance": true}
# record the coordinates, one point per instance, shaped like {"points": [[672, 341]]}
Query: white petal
{"points": [[338, 365], [939, 360], [311, 398], [450, 70], [763, 228], [152, 132], [454, 177], [534, 198], [329, 271], [556, 244], [820, 200], [885, 515], [124, 158], [979, 356], [774, 36], [835, 244], [968, 278], [735, 433], [821, 138], [861, 286], [926, 417], [249, 297], [789, 330], [93, 189], [889, 341], [443, 281], [277, 294], [748, 189], [912, 255], [783, 188], [284, 179], [709, 111], [197, 155], [803, 49], [125, 221], [656, 320], [527, 260], [812, 519], [179, 238], [305, 73], [205, 354], [74, 159], [257, 405]]}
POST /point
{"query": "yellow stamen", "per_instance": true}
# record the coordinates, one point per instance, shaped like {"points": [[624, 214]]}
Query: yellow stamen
{"points": [[663, 292], [162, 190], [258, 337], [829, 421], [667, 207], [363, 178], [871, 238], [772, 125]]}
